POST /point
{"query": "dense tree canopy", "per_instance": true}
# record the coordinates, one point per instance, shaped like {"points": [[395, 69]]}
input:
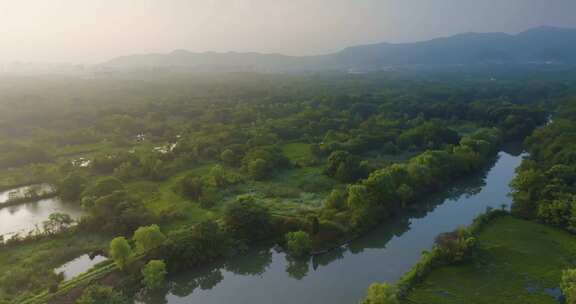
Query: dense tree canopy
{"points": [[246, 219], [545, 185], [246, 156]]}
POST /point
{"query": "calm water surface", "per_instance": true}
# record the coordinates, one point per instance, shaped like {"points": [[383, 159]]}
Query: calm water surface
{"points": [[265, 275], [25, 217], [79, 265]]}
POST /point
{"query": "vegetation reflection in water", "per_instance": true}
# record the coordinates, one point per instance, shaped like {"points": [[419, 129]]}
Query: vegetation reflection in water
{"points": [[26, 217], [266, 275]]}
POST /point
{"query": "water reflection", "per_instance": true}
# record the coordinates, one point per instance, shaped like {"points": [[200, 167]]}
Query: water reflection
{"points": [[24, 191], [185, 285], [400, 223], [297, 268], [79, 265], [27, 217], [266, 275], [254, 264]]}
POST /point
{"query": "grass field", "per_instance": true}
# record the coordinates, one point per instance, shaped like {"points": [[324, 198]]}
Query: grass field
{"points": [[517, 262], [162, 196], [297, 152]]}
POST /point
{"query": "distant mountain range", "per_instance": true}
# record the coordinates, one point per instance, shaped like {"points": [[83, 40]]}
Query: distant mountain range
{"points": [[542, 45]]}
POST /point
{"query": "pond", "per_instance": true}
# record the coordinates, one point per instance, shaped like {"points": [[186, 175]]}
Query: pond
{"points": [[20, 192], [341, 276], [79, 265], [25, 217]]}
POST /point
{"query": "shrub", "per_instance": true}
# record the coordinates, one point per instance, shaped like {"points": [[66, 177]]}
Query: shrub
{"points": [[104, 186], [381, 293], [455, 246], [98, 294], [568, 285], [427, 261], [208, 198], [336, 200]]}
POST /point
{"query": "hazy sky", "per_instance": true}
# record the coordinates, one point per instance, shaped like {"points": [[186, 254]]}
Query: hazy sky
{"points": [[91, 31]]}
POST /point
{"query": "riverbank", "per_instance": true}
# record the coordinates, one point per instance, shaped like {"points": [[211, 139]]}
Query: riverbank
{"points": [[384, 253], [28, 199], [322, 270], [516, 261], [26, 194], [426, 161], [22, 219]]}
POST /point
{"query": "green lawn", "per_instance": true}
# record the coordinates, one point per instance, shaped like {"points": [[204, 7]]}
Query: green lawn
{"points": [[517, 262], [162, 196], [287, 191], [297, 152], [294, 189]]}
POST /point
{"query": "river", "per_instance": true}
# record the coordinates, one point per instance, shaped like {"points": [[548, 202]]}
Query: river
{"points": [[266, 275]]}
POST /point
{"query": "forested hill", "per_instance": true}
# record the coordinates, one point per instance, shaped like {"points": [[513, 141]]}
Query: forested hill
{"points": [[543, 45]]}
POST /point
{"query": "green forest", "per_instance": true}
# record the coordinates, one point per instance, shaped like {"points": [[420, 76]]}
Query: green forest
{"points": [[168, 173]]}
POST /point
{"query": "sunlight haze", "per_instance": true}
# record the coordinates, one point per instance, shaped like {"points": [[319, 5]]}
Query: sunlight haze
{"points": [[92, 31]]}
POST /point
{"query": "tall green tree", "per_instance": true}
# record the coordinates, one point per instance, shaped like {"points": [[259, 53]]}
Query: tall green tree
{"points": [[148, 238], [57, 222], [71, 187], [218, 176], [192, 186], [258, 169], [120, 251], [362, 208]]}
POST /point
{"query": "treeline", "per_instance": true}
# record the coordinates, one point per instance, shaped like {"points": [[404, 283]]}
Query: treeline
{"points": [[359, 206], [355, 125], [243, 113], [545, 185], [389, 190]]}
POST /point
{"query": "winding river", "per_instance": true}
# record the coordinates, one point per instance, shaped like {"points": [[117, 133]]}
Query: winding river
{"points": [[341, 276]]}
